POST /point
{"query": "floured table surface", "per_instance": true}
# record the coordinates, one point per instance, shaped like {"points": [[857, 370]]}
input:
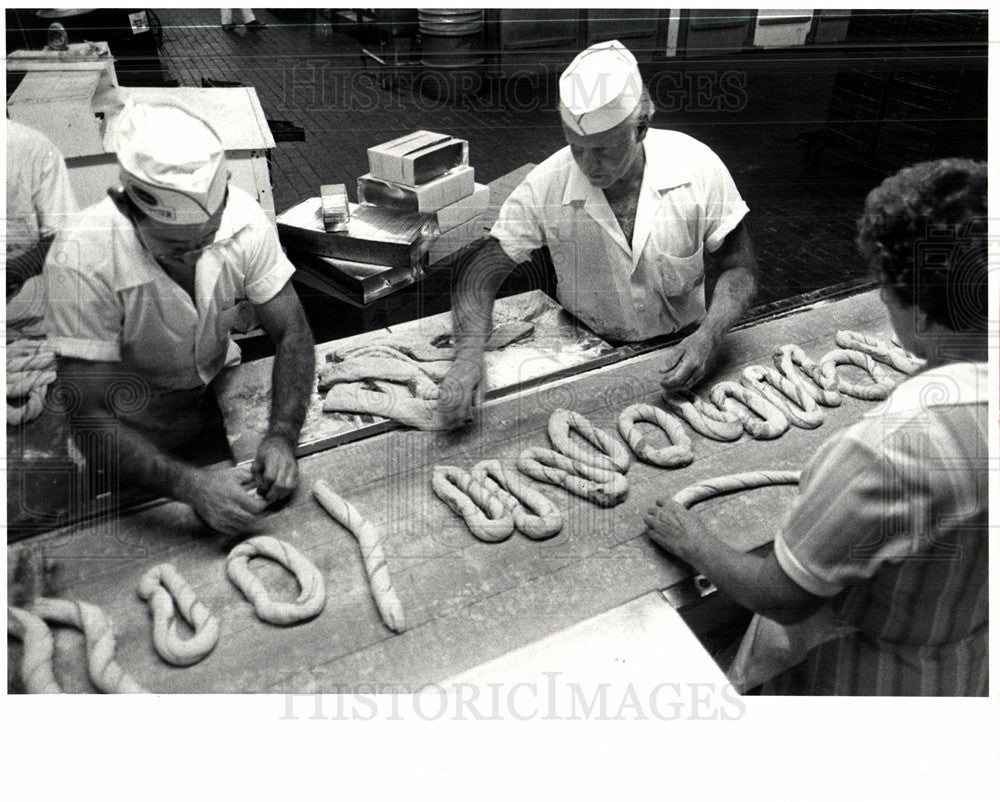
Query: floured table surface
{"points": [[466, 602], [556, 344]]}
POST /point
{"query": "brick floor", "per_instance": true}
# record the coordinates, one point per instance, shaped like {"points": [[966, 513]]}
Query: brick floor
{"points": [[309, 72]]}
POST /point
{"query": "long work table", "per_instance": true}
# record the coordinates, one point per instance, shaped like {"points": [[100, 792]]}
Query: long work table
{"points": [[467, 603]]}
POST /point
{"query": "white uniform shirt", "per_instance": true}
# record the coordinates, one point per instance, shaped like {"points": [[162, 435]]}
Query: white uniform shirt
{"points": [[687, 203], [109, 301]]}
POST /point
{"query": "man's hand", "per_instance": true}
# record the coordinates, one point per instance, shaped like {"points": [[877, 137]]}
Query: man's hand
{"points": [[459, 390], [686, 363], [674, 527], [226, 500], [275, 470]]}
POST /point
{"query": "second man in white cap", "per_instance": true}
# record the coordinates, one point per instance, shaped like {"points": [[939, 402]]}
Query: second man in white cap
{"points": [[627, 213]]}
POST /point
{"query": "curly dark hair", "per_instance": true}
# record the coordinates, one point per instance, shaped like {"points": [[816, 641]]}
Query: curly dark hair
{"points": [[924, 231]]}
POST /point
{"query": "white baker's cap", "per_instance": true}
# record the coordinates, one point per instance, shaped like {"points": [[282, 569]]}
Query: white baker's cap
{"points": [[171, 161], [599, 89]]}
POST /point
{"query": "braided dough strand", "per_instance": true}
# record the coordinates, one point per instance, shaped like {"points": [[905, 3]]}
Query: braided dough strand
{"points": [[744, 404], [720, 485], [797, 367], [417, 412], [484, 513], [614, 457], [534, 515], [794, 402], [604, 488], [831, 380], [676, 455], [370, 541], [366, 368], [104, 671], [311, 598], [705, 418], [169, 594], [886, 353], [36, 663]]}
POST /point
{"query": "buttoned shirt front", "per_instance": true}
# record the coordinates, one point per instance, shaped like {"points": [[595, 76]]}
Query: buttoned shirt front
{"points": [[654, 285], [109, 301]]}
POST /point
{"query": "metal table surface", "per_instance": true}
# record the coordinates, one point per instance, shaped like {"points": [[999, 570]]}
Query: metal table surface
{"points": [[466, 602]]}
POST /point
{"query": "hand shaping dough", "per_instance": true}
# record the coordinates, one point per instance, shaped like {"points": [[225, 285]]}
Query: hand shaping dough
{"points": [[883, 383], [797, 367], [676, 455], [886, 353], [705, 418], [770, 423], [104, 672], [614, 457], [534, 515], [163, 587], [310, 601], [366, 368], [794, 403], [692, 494], [484, 513], [370, 541], [357, 400], [605, 488], [36, 663]]}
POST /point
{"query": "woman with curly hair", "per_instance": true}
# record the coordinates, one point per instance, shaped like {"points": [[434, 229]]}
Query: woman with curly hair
{"points": [[877, 584]]}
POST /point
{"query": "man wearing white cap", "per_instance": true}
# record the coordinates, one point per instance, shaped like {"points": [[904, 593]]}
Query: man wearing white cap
{"points": [[143, 292], [627, 213]]}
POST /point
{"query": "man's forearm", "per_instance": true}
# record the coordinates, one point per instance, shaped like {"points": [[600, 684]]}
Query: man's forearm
{"points": [[292, 381], [731, 299], [472, 299]]}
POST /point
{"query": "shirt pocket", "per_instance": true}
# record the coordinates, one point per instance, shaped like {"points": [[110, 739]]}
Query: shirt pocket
{"points": [[679, 275]]}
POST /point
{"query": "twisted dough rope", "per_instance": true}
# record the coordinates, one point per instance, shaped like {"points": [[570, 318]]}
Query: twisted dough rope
{"points": [[797, 367], [169, 594], [353, 398], [104, 672], [312, 597], [31, 368], [886, 353], [794, 403], [614, 457], [676, 455], [437, 369], [370, 541], [39, 648], [369, 368], [705, 418], [605, 488], [883, 382], [710, 488], [484, 513], [534, 515], [744, 403]]}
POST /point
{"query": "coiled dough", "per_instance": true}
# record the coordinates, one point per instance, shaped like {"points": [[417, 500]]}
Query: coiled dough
{"points": [[795, 403], [168, 595], [484, 513], [312, 597], [732, 483], [770, 422], [676, 455], [534, 515], [39, 648], [800, 369], [705, 418], [880, 350], [831, 380], [614, 456], [603, 487], [353, 398]]}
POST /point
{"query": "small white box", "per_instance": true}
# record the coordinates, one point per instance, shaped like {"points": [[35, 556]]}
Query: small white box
{"points": [[462, 211], [417, 158], [430, 197]]}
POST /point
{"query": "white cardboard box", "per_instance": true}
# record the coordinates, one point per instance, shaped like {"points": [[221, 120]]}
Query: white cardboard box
{"points": [[430, 197], [455, 214], [417, 158]]}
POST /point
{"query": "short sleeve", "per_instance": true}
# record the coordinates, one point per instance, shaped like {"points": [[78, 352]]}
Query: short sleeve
{"points": [[83, 317], [54, 200], [517, 228], [724, 208], [267, 269]]}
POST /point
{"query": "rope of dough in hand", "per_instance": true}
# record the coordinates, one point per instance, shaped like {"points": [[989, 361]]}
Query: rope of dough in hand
{"points": [[311, 598], [831, 380], [676, 455], [31, 409], [534, 515], [39, 647], [372, 554], [437, 369], [705, 418], [744, 404], [169, 594], [25, 355], [22, 382], [614, 456], [604, 488], [484, 513], [798, 368], [104, 671], [886, 353], [795, 403], [355, 399], [367, 368], [720, 485]]}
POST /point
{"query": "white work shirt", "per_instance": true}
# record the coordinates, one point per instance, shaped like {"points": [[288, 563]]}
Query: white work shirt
{"points": [[109, 301], [627, 291]]}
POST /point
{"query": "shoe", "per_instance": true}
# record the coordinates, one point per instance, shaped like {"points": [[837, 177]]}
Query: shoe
{"points": [[255, 24], [229, 26]]}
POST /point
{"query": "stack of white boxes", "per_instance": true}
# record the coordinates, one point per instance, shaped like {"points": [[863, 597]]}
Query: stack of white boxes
{"points": [[428, 173]]}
